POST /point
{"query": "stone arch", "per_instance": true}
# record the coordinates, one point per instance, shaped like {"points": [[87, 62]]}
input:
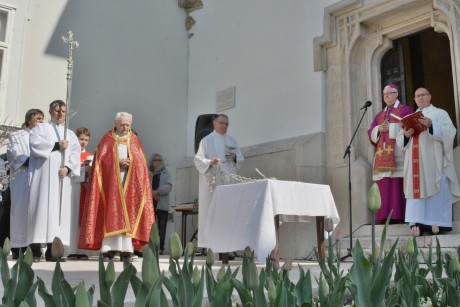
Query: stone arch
{"points": [[356, 36]]}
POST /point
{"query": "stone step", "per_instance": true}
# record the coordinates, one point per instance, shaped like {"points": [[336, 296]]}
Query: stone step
{"points": [[449, 242], [445, 241], [396, 230]]}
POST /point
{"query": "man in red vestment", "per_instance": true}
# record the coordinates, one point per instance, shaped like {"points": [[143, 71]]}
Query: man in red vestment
{"points": [[118, 213]]}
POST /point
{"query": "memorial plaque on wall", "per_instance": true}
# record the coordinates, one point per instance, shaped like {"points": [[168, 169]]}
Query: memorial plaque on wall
{"points": [[225, 99]]}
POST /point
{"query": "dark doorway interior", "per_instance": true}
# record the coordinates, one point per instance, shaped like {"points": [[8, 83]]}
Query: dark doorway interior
{"points": [[421, 60]]}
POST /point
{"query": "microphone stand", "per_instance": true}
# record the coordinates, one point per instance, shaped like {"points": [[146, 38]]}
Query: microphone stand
{"points": [[347, 153]]}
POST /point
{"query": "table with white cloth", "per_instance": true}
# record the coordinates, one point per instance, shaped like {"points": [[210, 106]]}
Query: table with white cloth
{"points": [[248, 214]]}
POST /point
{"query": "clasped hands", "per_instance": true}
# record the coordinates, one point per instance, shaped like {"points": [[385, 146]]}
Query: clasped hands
{"points": [[384, 127], [124, 162]]}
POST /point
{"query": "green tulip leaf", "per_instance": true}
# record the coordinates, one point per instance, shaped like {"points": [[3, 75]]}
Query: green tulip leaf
{"points": [[121, 286]]}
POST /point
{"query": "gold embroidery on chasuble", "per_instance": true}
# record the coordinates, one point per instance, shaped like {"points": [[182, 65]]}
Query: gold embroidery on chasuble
{"points": [[389, 149], [127, 182], [120, 223], [130, 184], [141, 209], [385, 159], [144, 196]]}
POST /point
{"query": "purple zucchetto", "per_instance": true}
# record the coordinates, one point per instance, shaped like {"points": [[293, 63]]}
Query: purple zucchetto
{"points": [[394, 87]]}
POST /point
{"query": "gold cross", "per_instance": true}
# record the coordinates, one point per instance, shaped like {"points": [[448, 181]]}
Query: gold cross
{"points": [[379, 152], [389, 149]]}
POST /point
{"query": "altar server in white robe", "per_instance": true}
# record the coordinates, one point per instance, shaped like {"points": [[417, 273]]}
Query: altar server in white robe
{"points": [[430, 181], [18, 153], [47, 218], [218, 156]]}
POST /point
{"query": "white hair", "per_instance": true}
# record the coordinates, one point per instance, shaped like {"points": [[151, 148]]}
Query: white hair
{"points": [[123, 114]]}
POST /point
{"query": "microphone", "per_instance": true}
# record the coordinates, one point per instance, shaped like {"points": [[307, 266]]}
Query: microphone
{"points": [[366, 105]]}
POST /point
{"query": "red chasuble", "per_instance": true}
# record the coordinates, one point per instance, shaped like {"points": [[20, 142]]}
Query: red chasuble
{"points": [[112, 208], [385, 159]]}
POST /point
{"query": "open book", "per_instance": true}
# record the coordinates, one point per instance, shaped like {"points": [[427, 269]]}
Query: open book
{"points": [[411, 121]]}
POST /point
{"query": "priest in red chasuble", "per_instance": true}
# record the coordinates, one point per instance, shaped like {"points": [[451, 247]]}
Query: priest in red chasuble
{"points": [[118, 212], [389, 158]]}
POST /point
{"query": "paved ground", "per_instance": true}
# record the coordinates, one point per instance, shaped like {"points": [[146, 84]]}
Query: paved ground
{"points": [[87, 271]]}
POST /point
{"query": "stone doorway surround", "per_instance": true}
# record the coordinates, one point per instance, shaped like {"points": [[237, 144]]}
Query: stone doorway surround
{"points": [[356, 35]]}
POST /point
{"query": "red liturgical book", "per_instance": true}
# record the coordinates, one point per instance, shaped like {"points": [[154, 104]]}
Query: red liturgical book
{"points": [[411, 121]]}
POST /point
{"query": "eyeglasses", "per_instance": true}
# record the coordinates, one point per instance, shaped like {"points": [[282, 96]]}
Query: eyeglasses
{"points": [[223, 123], [388, 94], [157, 160], [422, 95]]}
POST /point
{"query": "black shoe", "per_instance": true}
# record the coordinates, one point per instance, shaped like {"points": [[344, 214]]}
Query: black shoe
{"points": [[443, 230], [72, 257], [230, 256], [15, 253], [128, 257], [53, 259], [138, 254], [106, 257], [77, 257]]}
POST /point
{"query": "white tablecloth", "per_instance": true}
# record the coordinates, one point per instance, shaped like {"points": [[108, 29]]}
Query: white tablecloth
{"points": [[243, 214]]}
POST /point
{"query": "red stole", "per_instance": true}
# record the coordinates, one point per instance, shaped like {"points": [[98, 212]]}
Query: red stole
{"points": [[112, 208], [385, 159], [415, 167]]}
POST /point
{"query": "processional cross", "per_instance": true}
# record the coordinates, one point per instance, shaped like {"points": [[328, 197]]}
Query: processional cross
{"points": [[71, 45]]}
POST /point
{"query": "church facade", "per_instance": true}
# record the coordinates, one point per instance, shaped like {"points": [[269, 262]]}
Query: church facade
{"points": [[297, 74]]}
